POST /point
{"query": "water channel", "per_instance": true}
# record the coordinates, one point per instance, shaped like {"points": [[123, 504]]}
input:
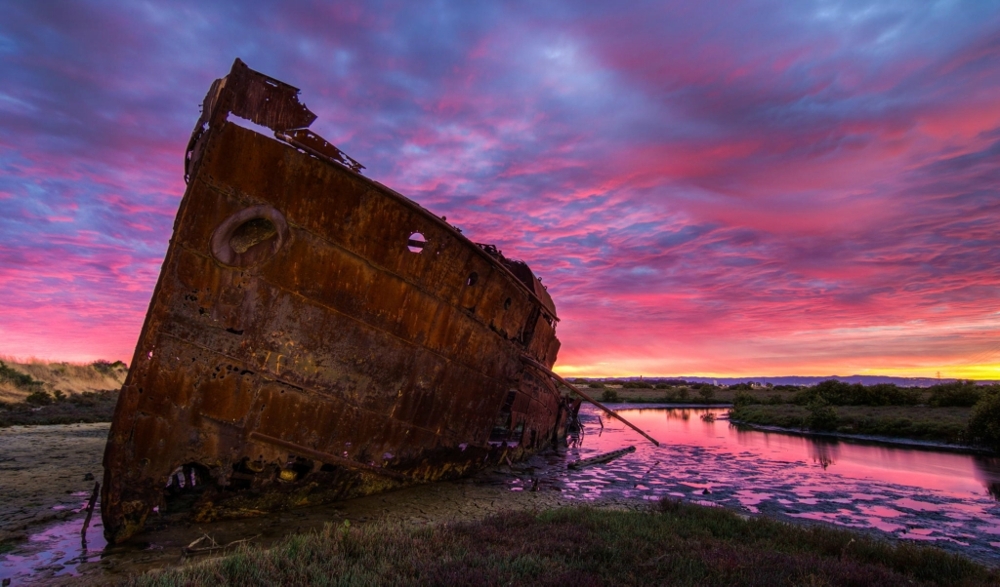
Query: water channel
{"points": [[947, 498], [916, 494]]}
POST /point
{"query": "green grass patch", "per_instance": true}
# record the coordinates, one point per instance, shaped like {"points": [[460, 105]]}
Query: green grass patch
{"points": [[677, 544]]}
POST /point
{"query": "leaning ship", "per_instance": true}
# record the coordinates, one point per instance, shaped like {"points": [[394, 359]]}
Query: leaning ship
{"points": [[315, 335]]}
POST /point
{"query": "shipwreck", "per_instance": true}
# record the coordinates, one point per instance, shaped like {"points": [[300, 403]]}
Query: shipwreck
{"points": [[315, 335]]}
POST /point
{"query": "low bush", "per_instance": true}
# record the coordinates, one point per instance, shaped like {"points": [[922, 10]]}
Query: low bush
{"points": [[822, 417], [18, 379], [840, 393], [610, 395], [957, 393], [636, 385], [39, 397], [984, 424], [107, 367]]}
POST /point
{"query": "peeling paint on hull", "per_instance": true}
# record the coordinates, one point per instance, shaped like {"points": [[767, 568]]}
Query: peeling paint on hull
{"points": [[315, 335]]}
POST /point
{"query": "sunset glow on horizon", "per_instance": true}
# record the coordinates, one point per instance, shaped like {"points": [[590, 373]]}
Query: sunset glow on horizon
{"points": [[716, 189]]}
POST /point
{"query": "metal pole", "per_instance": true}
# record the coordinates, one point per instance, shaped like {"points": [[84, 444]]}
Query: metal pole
{"points": [[575, 390]]}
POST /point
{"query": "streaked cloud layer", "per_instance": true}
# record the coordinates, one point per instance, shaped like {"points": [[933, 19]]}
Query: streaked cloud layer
{"points": [[728, 188]]}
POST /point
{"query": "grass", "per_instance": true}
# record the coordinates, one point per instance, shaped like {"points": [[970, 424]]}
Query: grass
{"points": [[38, 392], [674, 544], [916, 422], [18, 379]]}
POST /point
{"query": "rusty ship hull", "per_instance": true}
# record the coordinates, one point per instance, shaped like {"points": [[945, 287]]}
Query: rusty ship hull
{"points": [[315, 335]]}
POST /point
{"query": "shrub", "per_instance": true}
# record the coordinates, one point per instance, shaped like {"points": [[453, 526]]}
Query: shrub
{"points": [[984, 424], [822, 417], [957, 393], [107, 367], [595, 385], [636, 385], [18, 379], [707, 393], [743, 398], [609, 395], [39, 398], [840, 393], [886, 394]]}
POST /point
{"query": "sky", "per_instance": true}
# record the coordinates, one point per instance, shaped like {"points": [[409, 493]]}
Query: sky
{"points": [[706, 188]]}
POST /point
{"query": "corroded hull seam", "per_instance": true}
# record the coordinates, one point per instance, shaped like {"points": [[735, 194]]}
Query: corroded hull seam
{"points": [[315, 335]]}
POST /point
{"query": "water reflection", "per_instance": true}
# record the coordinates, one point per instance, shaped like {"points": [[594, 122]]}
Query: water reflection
{"points": [[824, 451], [988, 472], [916, 494]]}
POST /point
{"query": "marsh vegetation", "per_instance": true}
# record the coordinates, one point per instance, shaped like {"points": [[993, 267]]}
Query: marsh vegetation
{"points": [[673, 543], [956, 412]]}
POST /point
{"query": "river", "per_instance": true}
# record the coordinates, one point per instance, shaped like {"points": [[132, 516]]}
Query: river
{"points": [[915, 494]]}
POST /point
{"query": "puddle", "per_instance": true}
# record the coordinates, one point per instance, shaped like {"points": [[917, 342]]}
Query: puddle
{"points": [[56, 550]]}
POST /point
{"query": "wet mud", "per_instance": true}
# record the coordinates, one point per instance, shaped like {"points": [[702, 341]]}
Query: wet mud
{"points": [[47, 473]]}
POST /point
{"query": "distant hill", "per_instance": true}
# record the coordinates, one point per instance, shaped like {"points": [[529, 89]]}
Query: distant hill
{"points": [[18, 380], [798, 380]]}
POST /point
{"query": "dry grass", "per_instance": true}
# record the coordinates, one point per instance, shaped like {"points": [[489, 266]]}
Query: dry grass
{"points": [[69, 378]]}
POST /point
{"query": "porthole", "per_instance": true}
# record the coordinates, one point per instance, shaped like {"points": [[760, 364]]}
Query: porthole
{"points": [[249, 237], [251, 233], [416, 243], [473, 278]]}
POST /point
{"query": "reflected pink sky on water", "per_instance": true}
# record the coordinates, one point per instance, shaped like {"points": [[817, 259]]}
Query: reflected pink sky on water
{"points": [[956, 474], [910, 493]]}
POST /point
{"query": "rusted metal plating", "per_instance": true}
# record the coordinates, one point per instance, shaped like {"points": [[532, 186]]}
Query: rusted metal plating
{"points": [[315, 335]]}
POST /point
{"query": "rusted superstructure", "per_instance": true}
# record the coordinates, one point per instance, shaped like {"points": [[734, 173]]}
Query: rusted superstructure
{"points": [[315, 335]]}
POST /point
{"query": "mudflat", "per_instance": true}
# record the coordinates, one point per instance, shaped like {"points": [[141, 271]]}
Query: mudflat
{"points": [[45, 488], [44, 473]]}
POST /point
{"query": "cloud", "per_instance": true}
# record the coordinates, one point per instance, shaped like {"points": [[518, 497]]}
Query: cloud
{"points": [[721, 187]]}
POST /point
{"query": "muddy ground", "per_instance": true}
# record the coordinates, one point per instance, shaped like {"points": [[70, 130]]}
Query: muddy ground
{"points": [[47, 473], [45, 486]]}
